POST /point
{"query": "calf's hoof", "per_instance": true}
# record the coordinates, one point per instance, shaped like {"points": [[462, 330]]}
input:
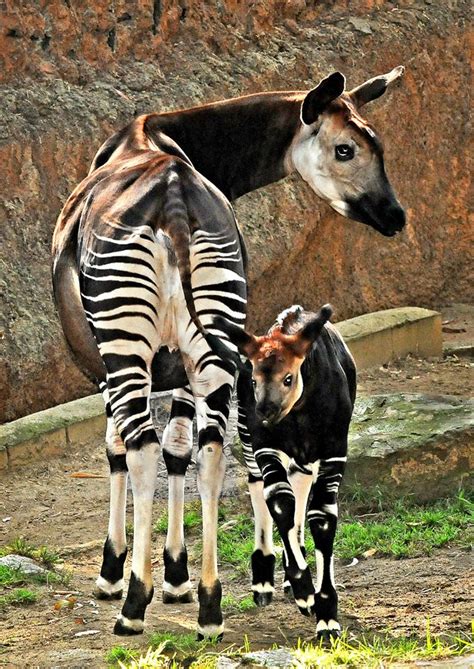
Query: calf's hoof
{"points": [[327, 632], [262, 598], [184, 598], [288, 590], [106, 590], [125, 627]]}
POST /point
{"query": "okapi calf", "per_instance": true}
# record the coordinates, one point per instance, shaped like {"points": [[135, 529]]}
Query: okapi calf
{"points": [[295, 405]]}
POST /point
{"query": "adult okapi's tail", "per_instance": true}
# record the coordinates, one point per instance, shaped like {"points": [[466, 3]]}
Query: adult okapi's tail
{"points": [[177, 226]]}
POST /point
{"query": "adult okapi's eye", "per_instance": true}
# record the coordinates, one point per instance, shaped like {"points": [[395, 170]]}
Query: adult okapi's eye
{"points": [[288, 380], [344, 152]]}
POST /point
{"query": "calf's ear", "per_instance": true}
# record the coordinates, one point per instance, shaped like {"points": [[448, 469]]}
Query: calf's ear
{"points": [[311, 331], [245, 342]]}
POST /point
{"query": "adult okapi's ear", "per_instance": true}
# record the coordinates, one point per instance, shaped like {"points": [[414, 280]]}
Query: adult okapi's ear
{"points": [[245, 342], [311, 331], [374, 88], [318, 98]]}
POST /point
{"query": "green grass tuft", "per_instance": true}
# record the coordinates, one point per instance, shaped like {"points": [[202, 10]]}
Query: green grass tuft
{"points": [[20, 546], [18, 597], [231, 603]]}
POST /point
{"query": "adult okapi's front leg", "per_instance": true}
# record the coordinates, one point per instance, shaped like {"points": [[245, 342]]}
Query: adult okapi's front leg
{"points": [[322, 517], [110, 582], [177, 449], [280, 500]]}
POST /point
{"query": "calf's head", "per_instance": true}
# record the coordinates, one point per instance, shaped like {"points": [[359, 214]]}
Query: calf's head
{"points": [[339, 154], [276, 360]]}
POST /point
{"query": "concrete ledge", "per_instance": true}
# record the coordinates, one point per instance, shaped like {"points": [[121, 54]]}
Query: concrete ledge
{"points": [[375, 339], [49, 433]]}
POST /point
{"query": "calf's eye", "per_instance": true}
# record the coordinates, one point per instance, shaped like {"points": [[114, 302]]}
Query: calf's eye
{"points": [[344, 152], [254, 383], [287, 381]]}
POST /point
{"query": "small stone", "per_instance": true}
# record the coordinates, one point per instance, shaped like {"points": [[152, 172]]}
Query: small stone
{"points": [[361, 25], [280, 658], [25, 564]]}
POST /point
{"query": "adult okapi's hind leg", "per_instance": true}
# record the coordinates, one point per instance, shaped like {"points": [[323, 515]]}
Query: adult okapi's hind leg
{"points": [[177, 449], [110, 582], [212, 415]]}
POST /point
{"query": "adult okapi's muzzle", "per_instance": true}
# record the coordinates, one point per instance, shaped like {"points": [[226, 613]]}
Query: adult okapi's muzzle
{"points": [[385, 214]]}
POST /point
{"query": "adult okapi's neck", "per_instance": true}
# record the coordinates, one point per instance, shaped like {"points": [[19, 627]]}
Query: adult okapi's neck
{"points": [[239, 144]]}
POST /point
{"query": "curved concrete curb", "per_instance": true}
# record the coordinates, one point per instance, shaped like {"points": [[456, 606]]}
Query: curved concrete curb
{"points": [[377, 338], [373, 339]]}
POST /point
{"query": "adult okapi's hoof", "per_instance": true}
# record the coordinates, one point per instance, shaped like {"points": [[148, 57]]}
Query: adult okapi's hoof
{"points": [[125, 627], [184, 598], [263, 598], [210, 637], [107, 596]]}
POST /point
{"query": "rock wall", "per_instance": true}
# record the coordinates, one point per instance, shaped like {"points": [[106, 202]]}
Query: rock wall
{"points": [[71, 73]]}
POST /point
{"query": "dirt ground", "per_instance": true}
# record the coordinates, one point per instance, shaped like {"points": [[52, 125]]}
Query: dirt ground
{"points": [[46, 506]]}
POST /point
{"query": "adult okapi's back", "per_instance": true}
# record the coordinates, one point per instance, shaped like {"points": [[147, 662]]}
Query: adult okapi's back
{"points": [[147, 252]]}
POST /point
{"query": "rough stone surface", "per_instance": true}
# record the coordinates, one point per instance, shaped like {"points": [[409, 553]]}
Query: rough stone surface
{"points": [[73, 73], [279, 658], [25, 564], [412, 444]]}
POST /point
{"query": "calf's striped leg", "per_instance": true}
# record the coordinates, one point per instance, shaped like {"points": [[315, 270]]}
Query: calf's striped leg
{"points": [[281, 503], [177, 448], [322, 516], [263, 556], [301, 479]]}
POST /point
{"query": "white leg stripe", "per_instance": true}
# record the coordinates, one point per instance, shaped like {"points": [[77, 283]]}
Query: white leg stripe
{"points": [[137, 625], [177, 589], [107, 587], [211, 630], [305, 603], [263, 587], [319, 569]]}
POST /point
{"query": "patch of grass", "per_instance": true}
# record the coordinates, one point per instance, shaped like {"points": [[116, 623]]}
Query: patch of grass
{"points": [[18, 597], [121, 654], [350, 652], [407, 531], [235, 539], [182, 643], [20, 546], [191, 519], [231, 603], [376, 651]]}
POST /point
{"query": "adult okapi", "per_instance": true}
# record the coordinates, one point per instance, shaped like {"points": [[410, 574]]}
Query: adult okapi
{"points": [[146, 251]]}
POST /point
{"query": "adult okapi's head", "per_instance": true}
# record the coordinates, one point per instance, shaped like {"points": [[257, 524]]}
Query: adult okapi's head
{"points": [[276, 360], [339, 154]]}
